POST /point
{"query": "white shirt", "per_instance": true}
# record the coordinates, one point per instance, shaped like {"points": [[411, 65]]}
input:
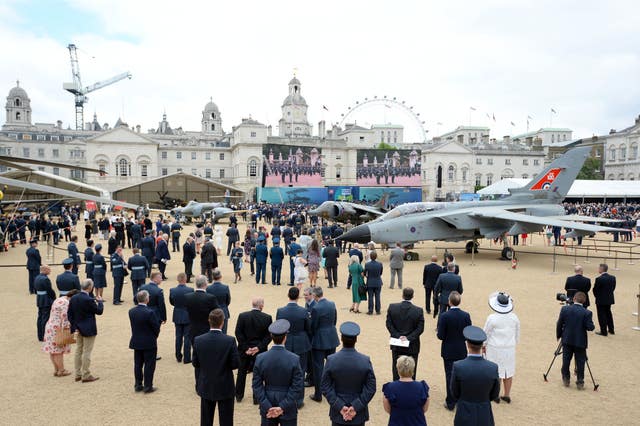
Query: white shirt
{"points": [[503, 330]]}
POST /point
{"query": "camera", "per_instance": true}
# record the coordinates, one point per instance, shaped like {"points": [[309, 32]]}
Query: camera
{"points": [[563, 298]]}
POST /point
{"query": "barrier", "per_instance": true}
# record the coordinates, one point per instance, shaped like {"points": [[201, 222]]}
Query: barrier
{"points": [[637, 327]]}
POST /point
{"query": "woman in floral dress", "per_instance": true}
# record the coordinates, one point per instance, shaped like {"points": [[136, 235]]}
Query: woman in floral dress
{"points": [[313, 261], [57, 321]]}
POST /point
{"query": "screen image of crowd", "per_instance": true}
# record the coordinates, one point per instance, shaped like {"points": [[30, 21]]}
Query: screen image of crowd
{"points": [[399, 167], [292, 165]]}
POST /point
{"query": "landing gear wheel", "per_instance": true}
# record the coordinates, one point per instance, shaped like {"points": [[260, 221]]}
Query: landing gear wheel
{"points": [[471, 245], [507, 253]]}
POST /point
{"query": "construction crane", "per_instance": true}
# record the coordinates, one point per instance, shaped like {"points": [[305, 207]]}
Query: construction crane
{"points": [[80, 92]]}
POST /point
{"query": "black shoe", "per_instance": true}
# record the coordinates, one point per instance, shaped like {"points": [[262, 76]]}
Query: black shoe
{"points": [[300, 405], [308, 384], [428, 312], [580, 386], [239, 399], [187, 361], [497, 400], [255, 401], [158, 358], [611, 332], [566, 382], [138, 388], [150, 390], [369, 313], [601, 333], [506, 399], [447, 407], [315, 398], [179, 358], [117, 303]]}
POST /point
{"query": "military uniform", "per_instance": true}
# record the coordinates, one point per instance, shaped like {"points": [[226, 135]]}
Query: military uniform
{"points": [[140, 268], [277, 256], [72, 249], [67, 280], [117, 272], [33, 266], [99, 269], [148, 250], [175, 236], [88, 261], [44, 299]]}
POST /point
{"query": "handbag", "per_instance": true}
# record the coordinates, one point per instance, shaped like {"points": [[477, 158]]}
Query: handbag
{"points": [[63, 337], [362, 290]]}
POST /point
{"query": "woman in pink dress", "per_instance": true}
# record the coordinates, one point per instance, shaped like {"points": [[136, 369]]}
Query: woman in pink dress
{"points": [[57, 321]]}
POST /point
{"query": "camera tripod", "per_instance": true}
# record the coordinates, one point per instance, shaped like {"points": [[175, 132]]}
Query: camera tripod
{"points": [[557, 352]]}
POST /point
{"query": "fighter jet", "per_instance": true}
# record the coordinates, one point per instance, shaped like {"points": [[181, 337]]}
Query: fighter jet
{"points": [[525, 210], [343, 210], [194, 209]]}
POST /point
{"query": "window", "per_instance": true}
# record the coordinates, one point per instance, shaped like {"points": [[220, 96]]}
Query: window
{"points": [[338, 172], [478, 179], [253, 168], [55, 138], [221, 173], [623, 153], [40, 152], [25, 152], [395, 137], [26, 137], [489, 179], [5, 150], [633, 152], [525, 162], [179, 170], [361, 138], [464, 175], [55, 153], [102, 168], [179, 155], [612, 154], [123, 167], [18, 116], [213, 115], [536, 162], [213, 127], [67, 138], [56, 171], [13, 135], [553, 138], [338, 157], [194, 155], [490, 161], [207, 173], [451, 173], [478, 160], [507, 161], [144, 170], [164, 171], [41, 169], [525, 176], [382, 136], [194, 171], [17, 102], [253, 134], [564, 137], [207, 156], [163, 155], [76, 154], [222, 156], [41, 137], [76, 174]]}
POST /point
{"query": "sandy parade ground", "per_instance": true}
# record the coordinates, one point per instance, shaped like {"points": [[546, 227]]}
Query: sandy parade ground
{"points": [[32, 395]]}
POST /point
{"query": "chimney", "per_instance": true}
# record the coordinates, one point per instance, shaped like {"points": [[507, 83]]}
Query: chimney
{"points": [[322, 129], [137, 128], [612, 131], [506, 139], [59, 123]]}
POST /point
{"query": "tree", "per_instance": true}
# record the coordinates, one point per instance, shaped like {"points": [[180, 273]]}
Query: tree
{"points": [[386, 146], [591, 170]]}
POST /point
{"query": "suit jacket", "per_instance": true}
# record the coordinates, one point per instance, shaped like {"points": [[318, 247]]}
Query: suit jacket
{"points": [[348, 380], [33, 258], [162, 250], [277, 255], [573, 323], [82, 312], [72, 249], [148, 245], [177, 300], [396, 258], [262, 253], [188, 251], [373, 272], [406, 319], [278, 381], [252, 329], [216, 356], [323, 325], [331, 254], [138, 265], [222, 294], [603, 289], [475, 383], [430, 275], [450, 326], [156, 300], [445, 284], [578, 283], [199, 304], [298, 340], [145, 328], [209, 255]]}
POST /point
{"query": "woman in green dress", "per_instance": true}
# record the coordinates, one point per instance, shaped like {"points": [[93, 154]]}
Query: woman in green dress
{"points": [[357, 280]]}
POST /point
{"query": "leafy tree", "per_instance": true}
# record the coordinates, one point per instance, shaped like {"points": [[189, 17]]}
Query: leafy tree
{"points": [[591, 170], [386, 146]]}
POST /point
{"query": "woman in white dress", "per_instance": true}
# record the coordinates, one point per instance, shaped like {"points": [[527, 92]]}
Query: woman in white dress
{"points": [[300, 273], [217, 240], [503, 334]]}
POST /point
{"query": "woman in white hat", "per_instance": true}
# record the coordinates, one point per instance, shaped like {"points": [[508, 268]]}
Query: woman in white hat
{"points": [[503, 333]]}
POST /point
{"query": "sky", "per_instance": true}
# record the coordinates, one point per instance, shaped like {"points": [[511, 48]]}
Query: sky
{"points": [[503, 58]]}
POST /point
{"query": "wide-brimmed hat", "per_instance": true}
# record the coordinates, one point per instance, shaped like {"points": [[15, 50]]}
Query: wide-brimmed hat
{"points": [[501, 302]]}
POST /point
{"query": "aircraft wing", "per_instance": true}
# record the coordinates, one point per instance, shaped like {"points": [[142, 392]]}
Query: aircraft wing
{"points": [[363, 209], [504, 215], [579, 218]]}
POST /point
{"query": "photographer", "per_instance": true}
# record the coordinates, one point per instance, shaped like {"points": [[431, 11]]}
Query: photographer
{"points": [[573, 323]]}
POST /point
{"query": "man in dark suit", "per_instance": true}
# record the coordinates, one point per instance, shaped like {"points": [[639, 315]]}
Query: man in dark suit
{"points": [[215, 355], [148, 249], [348, 380], [577, 283], [252, 332], [298, 340], [405, 321], [451, 325], [145, 328], [572, 326], [222, 294], [44, 299], [162, 254], [33, 263], [429, 277], [325, 337], [277, 380], [233, 236], [156, 296], [445, 284], [67, 280], [140, 269], [373, 272], [474, 382], [181, 318], [83, 309], [331, 254], [262, 253], [188, 255], [208, 259], [603, 290]]}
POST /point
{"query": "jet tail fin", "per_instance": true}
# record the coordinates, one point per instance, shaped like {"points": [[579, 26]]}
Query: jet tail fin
{"points": [[383, 201], [556, 179]]}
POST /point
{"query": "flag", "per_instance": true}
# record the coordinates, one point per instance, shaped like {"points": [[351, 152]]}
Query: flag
{"points": [[488, 116], [324, 107], [387, 105], [472, 108], [494, 117], [553, 111], [512, 123], [529, 117]]}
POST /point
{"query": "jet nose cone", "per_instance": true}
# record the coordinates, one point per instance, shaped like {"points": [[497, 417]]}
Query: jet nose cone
{"points": [[359, 234]]}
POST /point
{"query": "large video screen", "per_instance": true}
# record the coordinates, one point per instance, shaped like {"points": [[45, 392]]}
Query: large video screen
{"points": [[396, 196], [288, 195], [396, 167], [292, 165]]}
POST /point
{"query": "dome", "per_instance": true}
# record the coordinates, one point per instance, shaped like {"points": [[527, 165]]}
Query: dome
{"points": [[211, 107], [18, 92], [294, 99], [294, 80]]}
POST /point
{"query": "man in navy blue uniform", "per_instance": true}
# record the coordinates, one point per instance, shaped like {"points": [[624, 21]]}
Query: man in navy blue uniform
{"points": [[292, 252], [181, 318], [215, 356], [33, 264], [474, 382], [262, 254], [450, 327], [149, 249], [118, 266], [136, 234], [325, 338], [67, 280], [145, 328], [44, 299], [348, 380], [83, 308], [445, 284], [72, 249], [277, 256], [156, 296], [298, 340], [162, 254], [175, 235], [139, 267], [88, 259], [222, 294], [277, 380], [572, 326]]}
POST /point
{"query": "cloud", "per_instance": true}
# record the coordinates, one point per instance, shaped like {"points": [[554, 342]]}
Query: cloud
{"points": [[509, 58]]}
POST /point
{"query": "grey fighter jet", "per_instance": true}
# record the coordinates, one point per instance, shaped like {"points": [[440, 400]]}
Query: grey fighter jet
{"points": [[343, 210], [197, 210], [525, 210]]}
